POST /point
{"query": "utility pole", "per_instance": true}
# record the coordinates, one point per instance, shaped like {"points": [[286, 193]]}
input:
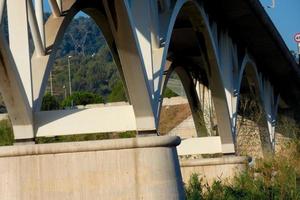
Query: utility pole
{"points": [[70, 82], [51, 84]]}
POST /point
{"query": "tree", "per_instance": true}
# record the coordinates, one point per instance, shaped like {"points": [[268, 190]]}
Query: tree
{"points": [[81, 98], [118, 93], [49, 102]]}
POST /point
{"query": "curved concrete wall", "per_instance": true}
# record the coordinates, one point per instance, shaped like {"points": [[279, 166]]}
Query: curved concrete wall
{"points": [[211, 169], [136, 168]]}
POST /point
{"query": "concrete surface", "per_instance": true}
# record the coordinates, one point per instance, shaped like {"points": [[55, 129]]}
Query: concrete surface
{"points": [[84, 121], [223, 168], [136, 168], [201, 145]]}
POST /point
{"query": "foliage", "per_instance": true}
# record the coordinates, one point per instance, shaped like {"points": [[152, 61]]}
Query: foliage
{"points": [[82, 37], [96, 73], [118, 93], [49, 102], [6, 133], [287, 125], [272, 178], [194, 188], [127, 134], [85, 137], [169, 93], [81, 98]]}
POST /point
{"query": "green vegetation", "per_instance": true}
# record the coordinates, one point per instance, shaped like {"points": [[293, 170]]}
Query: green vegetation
{"points": [[92, 66], [6, 133], [168, 93], [96, 74], [273, 178], [49, 103], [85, 137], [118, 93], [81, 98]]}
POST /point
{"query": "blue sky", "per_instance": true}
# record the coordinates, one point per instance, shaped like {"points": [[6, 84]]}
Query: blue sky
{"points": [[285, 15]]}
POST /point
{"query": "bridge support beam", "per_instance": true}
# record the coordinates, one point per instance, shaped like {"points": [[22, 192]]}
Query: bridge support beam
{"points": [[106, 119], [14, 97], [133, 65], [19, 61]]}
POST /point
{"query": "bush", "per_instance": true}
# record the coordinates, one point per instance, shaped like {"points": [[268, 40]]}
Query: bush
{"points": [[169, 93], [6, 133], [81, 98], [272, 178], [194, 188], [49, 102]]}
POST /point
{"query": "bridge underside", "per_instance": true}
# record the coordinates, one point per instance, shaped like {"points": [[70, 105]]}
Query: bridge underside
{"points": [[212, 45]]}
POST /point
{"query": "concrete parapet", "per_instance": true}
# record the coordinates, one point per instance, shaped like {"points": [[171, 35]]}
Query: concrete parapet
{"points": [[224, 168], [135, 168]]}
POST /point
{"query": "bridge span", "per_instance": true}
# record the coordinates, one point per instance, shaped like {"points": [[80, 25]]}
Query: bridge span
{"points": [[214, 46]]}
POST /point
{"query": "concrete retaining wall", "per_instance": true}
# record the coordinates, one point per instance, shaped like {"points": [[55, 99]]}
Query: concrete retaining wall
{"points": [[3, 117], [224, 168], [136, 168]]}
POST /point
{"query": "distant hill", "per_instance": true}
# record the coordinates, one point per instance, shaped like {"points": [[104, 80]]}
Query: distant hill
{"points": [[82, 37], [92, 66]]}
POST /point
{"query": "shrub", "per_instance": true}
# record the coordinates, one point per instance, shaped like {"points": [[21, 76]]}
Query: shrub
{"points": [[194, 188], [81, 98], [6, 133], [169, 93], [49, 102], [271, 178]]}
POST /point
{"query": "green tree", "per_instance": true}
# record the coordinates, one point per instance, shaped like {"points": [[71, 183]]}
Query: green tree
{"points": [[118, 93], [81, 98], [49, 102]]}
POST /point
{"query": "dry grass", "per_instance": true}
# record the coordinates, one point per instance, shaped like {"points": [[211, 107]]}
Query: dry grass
{"points": [[173, 115]]}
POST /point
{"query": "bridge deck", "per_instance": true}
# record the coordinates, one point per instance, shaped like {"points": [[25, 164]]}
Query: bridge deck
{"points": [[249, 23]]}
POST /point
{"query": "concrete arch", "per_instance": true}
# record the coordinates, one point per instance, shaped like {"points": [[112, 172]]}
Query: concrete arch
{"points": [[248, 65], [192, 96], [248, 70], [122, 43], [200, 24], [55, 29]]}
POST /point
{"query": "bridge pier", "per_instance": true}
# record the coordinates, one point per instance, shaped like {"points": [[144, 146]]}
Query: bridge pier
{"points": [[136, 168]]}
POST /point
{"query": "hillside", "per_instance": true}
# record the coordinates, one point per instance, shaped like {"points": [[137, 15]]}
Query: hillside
{"points": [[92, 67]]}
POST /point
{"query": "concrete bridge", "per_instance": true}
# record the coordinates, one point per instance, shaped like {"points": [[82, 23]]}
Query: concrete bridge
{"points": [[213, 46]]}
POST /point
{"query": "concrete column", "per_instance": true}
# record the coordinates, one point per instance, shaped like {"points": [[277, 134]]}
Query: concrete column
{"points": [[59, 4], [133, 65], [39, 12], [14, 94], [204, 95], [54, 8], [35, 33], [19, 42], [2, 4]]}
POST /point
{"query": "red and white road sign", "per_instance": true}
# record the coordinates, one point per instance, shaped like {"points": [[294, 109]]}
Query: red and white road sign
{"points": [[297, 37]]}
